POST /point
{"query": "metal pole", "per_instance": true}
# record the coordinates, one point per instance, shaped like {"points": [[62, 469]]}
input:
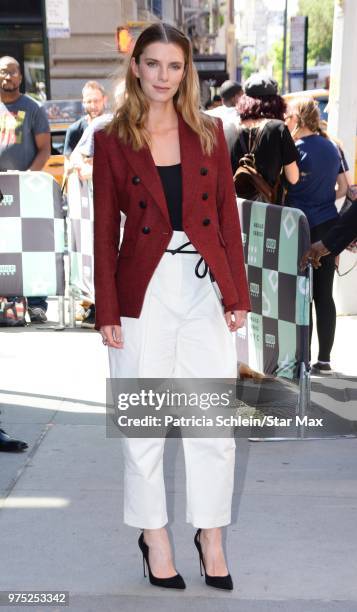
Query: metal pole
{"points": [[46, 51], [305, 51], [283, 87], [210, 26]]}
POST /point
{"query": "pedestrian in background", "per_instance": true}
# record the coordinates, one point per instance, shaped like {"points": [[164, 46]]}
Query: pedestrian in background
{"points": [[94, 100], [335, 240], [214, 102], [230, 93], [25, 141], [262, 128], [81, 160], [315, 194], [165, 165]]}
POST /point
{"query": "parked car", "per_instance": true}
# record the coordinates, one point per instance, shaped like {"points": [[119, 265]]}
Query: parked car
{"points": [[320, 95], [61, 114]]}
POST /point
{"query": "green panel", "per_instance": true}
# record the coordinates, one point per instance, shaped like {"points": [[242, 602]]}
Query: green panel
{"points": [[59, 235], [287, 349], [10, 235], [36, 195], [74, 196], [39, 274], [255, 341], [87, 237], [289, 240], [75, 269], [256, 235], [302, 301], [76, 275], [270, 306]]}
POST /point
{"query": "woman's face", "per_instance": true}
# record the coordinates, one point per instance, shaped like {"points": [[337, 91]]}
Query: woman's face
{"points": [[291, 119], [160, 70]]}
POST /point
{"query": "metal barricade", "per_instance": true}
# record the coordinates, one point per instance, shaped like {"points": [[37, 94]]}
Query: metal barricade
{"points": [[32, 237], [275, 340]]}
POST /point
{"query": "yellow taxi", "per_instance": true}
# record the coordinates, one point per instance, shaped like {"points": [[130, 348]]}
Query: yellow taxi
{"points": [[321, 96], [61, 114]]}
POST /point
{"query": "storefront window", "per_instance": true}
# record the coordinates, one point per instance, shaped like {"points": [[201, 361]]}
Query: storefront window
{"points": [[34, 70]]}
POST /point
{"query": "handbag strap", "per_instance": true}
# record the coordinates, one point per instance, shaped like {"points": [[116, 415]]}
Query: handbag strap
{"points": [[340, 274], [257, 140], [242, 143], [343, 164]]}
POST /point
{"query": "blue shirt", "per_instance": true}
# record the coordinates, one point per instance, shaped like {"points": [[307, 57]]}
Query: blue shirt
{"points": [[319, 164]]}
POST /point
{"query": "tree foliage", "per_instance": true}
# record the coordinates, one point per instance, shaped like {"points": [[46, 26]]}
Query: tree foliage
{"points": [[320, 14], [249, 64], [276, 57]]}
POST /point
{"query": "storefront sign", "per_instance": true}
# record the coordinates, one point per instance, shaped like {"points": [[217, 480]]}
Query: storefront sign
{"points": [[298, 40], [57, 18], [298, 53]]}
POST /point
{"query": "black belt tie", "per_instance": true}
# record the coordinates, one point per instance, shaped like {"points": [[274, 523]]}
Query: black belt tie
{"points": [[199, 274]]}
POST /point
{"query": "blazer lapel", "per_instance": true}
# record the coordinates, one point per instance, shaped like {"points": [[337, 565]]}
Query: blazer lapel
{"points": [[143, 166]]}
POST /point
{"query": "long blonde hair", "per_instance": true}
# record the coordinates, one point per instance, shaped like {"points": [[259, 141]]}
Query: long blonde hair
{"points": [[307, 114], [130, 117]]}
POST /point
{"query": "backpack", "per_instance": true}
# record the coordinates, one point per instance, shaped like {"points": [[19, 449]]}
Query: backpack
{"points": [[249, 183], [13, 311]]}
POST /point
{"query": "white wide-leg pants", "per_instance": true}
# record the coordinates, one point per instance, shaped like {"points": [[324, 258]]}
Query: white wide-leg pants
{"points": [[181, 332]]}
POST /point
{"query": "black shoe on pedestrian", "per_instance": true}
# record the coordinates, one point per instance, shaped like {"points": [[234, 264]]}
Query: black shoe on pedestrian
{"points": [[321, 368], [37, 314], [89, 318], [9, 445]]}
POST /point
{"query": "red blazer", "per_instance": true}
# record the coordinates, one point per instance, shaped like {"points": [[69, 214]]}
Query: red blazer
{"points": [[128, 181]]}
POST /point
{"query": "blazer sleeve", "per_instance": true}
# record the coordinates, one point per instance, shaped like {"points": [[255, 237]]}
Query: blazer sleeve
{"points": [[106, 235], [343, 233], [230, 224]]}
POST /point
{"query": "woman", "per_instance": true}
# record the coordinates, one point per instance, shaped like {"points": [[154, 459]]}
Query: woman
{"points": [[263, 131], [166, 166], [315, 194]]}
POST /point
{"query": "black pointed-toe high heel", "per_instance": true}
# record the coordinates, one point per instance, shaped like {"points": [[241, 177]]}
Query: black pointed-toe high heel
{"points": [[219, 582], [173, 582]]}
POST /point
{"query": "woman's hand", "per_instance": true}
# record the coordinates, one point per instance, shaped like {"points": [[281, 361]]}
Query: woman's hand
{"points": [[235, 319], [112, 336]]}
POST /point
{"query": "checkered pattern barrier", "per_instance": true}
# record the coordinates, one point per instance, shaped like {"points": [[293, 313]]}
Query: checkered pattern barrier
{"points": [[276, 338], [31, 235], [80, 237]]}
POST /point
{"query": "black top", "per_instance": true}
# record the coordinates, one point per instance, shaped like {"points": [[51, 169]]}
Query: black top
{"points": [[171, 178], [73, 135], [276, 149]]}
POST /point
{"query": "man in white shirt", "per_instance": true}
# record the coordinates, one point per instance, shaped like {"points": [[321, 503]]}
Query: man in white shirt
{"points": [[230, 93]]}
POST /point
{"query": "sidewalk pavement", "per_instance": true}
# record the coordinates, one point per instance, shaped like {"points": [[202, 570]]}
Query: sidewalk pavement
{"points": [[292, 545]]}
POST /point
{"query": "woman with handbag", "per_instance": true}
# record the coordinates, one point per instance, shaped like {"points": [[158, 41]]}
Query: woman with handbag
{"points": [[165, 165], [263, 157], [315, 194]]}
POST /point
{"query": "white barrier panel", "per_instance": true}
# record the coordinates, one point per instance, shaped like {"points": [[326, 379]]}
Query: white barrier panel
{"points": [[31, 235]]}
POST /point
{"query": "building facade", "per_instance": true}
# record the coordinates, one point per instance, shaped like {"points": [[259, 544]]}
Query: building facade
{"points": [[58, 65]]}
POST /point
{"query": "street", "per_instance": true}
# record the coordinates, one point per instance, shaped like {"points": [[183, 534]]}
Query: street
{"points": [[61, 516]]}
